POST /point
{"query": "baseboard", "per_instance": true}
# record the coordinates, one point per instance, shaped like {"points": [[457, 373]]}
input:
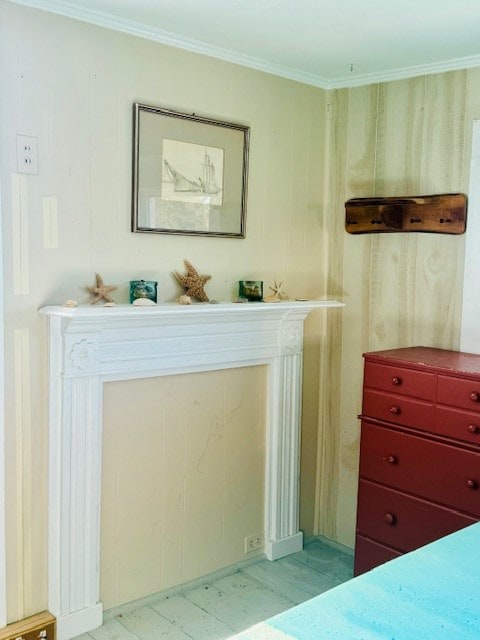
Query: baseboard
{"points": [[330, 543], [79, 622], [169, 592], [284, 547], [295, 542]]}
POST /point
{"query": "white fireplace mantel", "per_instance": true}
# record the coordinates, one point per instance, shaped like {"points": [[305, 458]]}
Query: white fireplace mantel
{"points": [[91, 345]]}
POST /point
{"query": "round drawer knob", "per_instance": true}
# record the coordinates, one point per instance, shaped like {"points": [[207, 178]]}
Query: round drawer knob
{"points": [[392, 460], [472, 484], [473, 428], [390, 519], [396, 381], [395, 410], [475, 396]]}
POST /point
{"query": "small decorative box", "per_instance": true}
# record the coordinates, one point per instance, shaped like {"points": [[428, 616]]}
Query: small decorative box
{"points": [[252, 290], [143, 289]]}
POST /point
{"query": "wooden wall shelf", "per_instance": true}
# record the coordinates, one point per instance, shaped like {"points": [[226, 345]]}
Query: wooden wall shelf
{"points": [[444, 213]]}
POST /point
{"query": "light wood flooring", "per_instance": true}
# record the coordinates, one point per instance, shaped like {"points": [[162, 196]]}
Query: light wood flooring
{"points": [[230, 603]]}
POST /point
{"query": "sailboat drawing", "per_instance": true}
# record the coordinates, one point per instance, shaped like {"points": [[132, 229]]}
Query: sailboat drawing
{"points": [[208, 183], [192, 173], [205, 184], [180, 182]]}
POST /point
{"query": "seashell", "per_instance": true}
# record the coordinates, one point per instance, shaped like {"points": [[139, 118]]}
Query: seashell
{"points": [[144, 302], [110, 304], [70, 303], [184, 299], [271, 299]]}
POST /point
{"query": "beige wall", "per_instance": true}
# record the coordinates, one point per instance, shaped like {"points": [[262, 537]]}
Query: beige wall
{"points": [[73, 85], [183, 487]]}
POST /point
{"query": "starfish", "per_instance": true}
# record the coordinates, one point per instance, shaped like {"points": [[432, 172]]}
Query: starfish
{"points": [[278, 292], [193, 282], [101, 291]]}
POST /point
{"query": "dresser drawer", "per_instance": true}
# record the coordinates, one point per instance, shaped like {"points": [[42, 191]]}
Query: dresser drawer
{"points": [[439, 472], [402, 521], [417, 384], [398, 409], [459, 392], [369, 554], [459, 424]]}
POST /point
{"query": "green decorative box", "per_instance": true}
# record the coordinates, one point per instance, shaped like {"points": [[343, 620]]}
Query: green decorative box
{"points": [[252, 290], [143, 289]]}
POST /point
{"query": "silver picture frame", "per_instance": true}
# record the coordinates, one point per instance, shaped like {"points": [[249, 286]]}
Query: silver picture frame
{"points": [[189, 174]]}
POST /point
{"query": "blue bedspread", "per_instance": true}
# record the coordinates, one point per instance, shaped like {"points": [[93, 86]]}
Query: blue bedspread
{"points": [[432, 593]]}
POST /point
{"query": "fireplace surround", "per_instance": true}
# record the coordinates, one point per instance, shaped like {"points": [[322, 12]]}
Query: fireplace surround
{"points": [[92, 345]]}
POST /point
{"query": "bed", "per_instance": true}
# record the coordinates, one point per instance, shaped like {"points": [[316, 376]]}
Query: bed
{"points": [[432, 593]]}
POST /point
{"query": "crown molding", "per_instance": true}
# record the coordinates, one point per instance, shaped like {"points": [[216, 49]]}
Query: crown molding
{"points": [[402, 73], [141, 30], [71, 10]]}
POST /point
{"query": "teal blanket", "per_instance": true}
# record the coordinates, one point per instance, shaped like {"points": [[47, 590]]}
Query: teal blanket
{"points": [[432, 593]]}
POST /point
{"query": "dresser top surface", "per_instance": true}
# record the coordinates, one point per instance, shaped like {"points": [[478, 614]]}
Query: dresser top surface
{"points": [[429, 358]]}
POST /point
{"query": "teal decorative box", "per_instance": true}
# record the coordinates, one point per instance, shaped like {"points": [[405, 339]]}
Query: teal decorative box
{"points": [[143, 289]]}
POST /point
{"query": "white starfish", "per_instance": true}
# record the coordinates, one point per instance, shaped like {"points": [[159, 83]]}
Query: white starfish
{"points": [[277, 289]]}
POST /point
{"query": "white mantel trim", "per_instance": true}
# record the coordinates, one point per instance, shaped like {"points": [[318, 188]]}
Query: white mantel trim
{"points": [[91, 345]]}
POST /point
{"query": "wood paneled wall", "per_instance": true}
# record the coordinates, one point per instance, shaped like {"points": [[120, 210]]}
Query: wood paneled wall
{"points": [[409, 137]]}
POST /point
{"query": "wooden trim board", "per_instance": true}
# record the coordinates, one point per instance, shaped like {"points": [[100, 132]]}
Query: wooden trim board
{"points": [[40, 626], [444, 213]]}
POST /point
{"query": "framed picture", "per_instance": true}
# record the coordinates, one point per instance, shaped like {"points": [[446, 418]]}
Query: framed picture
{"points": [[189, 174]]}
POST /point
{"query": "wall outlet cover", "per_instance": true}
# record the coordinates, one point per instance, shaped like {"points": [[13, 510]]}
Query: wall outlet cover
{"points": [[254, 542], [27, 154]]}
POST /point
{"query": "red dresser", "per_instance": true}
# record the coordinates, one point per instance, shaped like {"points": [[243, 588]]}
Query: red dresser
{"points": [[419, 452]]}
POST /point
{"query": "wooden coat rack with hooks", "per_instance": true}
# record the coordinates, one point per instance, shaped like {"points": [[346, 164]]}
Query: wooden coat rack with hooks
{"points": [[444, 213]]}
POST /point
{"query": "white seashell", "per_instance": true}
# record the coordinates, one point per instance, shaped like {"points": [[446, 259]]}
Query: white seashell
{"points": [[144, 302], [110, 304], [271, 299], [71, 303], [184, 300]]}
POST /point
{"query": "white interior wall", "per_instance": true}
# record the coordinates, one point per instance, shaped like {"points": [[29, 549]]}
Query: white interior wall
{"points": [[470, 331], [3, 577]]}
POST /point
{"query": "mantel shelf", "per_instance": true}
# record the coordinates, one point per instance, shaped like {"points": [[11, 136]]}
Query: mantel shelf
{"points": [[172, 309]]}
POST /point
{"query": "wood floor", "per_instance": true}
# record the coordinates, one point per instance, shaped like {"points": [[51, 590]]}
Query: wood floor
{"points": [[231, 603]]}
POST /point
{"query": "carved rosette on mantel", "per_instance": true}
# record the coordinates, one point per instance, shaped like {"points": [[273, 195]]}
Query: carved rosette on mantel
{"points": [[83, 355], [92, 345]]}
